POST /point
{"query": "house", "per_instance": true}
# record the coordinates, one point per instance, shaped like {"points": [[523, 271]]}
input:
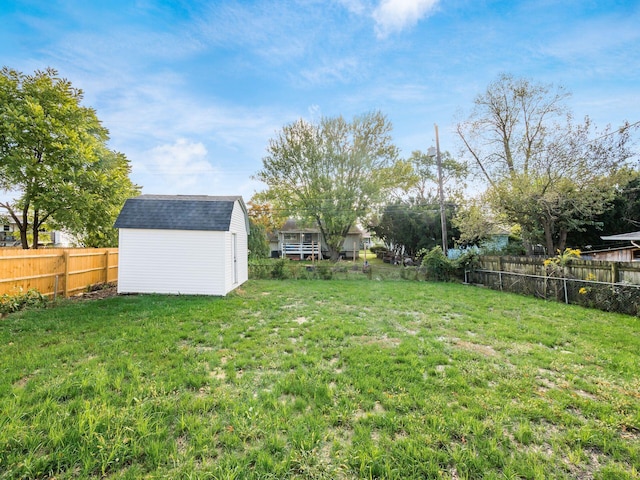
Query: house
{"points": [[630, 253], [298, 243], [182, 244], [10, 235]]}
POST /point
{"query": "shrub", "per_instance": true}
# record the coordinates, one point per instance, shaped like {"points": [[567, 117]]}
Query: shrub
{"points": [[29, 299], [278, 270], [324, 271], [375, 249], [436, 265]]}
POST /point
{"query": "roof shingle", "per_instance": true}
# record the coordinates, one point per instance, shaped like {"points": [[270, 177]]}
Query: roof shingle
{"points": [[177, 212]]}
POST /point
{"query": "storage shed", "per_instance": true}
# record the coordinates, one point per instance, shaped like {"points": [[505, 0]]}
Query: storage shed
{"points": [[182, 244]]}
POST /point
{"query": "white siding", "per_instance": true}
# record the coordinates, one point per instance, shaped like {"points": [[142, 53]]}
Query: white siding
{"points": [[172, 261], [238, 225]]}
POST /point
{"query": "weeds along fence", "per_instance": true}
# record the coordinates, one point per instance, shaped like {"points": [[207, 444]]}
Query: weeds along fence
{"points": [[325, 270], [55, 271], [609, 286], [322, 271]]}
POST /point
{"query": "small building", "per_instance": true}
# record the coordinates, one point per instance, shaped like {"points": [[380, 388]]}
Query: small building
{"points": [[182, 244], [628, 253]]}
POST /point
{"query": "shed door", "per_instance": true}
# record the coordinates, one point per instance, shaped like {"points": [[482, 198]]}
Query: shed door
{"points": [[234, 256]]}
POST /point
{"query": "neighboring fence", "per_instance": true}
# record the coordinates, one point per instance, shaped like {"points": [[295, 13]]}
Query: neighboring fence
{"points": [[56, 271], [607, 272], [610, 286]]}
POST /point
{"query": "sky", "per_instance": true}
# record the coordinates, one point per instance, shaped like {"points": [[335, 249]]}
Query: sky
{"points": [[192, 91]]}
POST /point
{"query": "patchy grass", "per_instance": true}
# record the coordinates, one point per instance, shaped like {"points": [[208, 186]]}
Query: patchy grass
{"points": [[318, 379]]}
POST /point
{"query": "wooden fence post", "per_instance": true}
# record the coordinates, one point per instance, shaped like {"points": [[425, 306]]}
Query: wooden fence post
{"points": [[66, 273], [615, 272], [106, 266]]}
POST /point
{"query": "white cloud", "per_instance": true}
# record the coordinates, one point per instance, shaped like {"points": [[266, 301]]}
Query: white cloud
{"points": [[180, 165], [395, 15]]}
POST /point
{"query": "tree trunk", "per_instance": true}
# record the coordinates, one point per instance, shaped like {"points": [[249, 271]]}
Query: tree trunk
{"points": [[24, 228], [35, 228], [548, 237], [562, 243], [23, 237]]}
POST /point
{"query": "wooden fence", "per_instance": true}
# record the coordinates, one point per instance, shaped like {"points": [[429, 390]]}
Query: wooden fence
{"points": [[56, 271], [610, 286], [601, 271]]}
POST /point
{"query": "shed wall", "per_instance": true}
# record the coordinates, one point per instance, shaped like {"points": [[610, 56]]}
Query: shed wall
{"points": [[237, 226], [172, 261]]}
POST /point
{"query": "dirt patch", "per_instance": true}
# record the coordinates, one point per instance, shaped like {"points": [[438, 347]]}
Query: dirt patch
{"points": [[475, 347], [97, 292]]}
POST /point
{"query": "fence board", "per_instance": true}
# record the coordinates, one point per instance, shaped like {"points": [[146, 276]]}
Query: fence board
{"points": [[71, 270]]}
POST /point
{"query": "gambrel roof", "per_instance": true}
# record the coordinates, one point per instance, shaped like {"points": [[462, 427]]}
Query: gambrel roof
{"points": [[178, 212]]}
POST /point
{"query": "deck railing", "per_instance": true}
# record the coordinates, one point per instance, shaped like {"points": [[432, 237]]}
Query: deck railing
{"points": [[303, 249]]}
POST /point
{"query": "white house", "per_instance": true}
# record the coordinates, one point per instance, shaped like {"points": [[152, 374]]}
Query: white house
{"points": [[298, 243], [182, 244]]}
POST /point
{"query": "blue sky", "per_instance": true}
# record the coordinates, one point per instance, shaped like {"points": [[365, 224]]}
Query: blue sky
{"points": [[192, 91]]}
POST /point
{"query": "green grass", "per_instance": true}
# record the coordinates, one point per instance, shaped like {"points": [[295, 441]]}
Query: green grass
{"points": [[320, 379]]}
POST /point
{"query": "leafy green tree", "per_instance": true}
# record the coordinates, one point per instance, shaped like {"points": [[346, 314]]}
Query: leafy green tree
{"points": [[408, 226], [425, 171], [544, 172], [622, 216], [333, 172], [262, 212], [54, 158], [258, 243]]}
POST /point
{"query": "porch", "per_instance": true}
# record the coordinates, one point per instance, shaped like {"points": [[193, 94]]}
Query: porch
{"points": [[302, 251]]}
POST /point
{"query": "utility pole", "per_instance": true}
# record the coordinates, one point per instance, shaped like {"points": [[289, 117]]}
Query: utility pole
{"points": [[443, 218]]}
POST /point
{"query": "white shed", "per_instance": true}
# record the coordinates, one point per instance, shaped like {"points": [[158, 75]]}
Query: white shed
{"points": [[182, 244]]}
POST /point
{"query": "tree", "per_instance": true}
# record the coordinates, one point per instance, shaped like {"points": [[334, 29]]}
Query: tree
{"points": [[258, 243], [333, 172], [622, 216], [412, 222], [474, 222], [410, 225], [262, 212], [544, 172], [54, 157], [425, 171]]}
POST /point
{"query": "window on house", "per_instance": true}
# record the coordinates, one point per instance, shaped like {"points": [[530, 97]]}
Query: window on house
{"points": [[6, 228], [291, 238]]}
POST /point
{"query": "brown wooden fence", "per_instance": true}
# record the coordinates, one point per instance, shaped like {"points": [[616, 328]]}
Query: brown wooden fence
{"points": [[601, 271], [56, 271]]}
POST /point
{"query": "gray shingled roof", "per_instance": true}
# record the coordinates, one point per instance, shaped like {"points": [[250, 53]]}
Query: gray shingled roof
{"points": [[177, 212]]}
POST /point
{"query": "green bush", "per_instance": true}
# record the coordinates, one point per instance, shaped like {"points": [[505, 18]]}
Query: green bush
{"points": [[375, 249], [29, 299], [436, 266], [324, 271], [278, 271]]}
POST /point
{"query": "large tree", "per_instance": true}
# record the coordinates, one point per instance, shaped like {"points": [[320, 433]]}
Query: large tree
{"points": [[545, 172], [412, 221], [333, 172], [54, 160]]}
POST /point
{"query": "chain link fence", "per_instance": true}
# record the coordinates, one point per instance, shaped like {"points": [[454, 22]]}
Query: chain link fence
{"points": [[611, 297]]}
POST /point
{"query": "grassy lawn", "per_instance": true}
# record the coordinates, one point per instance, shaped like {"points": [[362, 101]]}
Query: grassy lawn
{"points": [[321, 379]]}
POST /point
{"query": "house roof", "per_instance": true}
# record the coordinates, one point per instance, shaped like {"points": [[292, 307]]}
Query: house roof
{"points": [[178, 212], [291, 226], [632, 236]]}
